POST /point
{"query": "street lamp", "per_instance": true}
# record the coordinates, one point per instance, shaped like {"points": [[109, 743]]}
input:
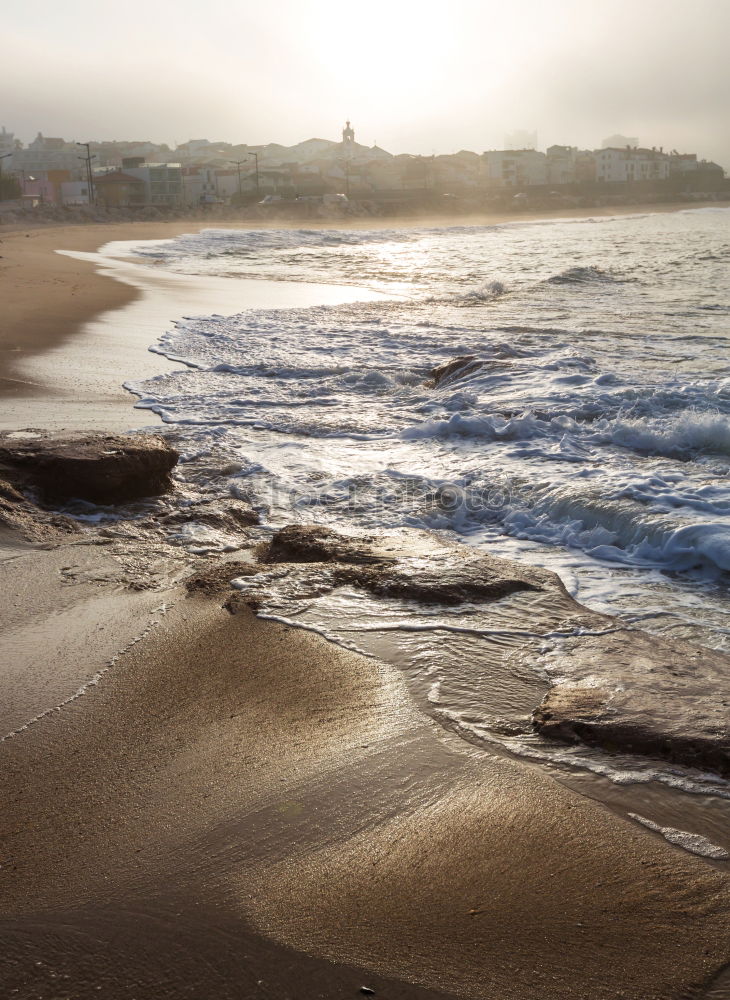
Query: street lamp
{"points": [[3, 157], [256, 157], [89, 178], [32, 179]]}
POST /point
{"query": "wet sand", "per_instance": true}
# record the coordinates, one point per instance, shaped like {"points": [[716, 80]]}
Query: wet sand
{"points": [[229, 777], [236, 809], [76, 324], [46, 295]]}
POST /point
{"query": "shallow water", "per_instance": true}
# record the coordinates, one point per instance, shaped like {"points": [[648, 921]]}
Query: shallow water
{"points": [[593, 437]]}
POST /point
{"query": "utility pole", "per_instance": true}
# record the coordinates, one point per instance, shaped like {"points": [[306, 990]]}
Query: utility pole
{"points": [[238, 164], [3, 157], [89, 177], [256, 157]]}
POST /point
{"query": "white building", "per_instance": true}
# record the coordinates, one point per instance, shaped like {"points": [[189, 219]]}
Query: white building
{"points": [[199, 186], [617, 166], [46, 154], [561, 164], [687, 163], [514, 168], [227, 182], [163, 182], [682, 163], [74, 193]]}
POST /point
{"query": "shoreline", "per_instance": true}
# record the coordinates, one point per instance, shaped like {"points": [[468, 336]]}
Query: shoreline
{"points": [[240, 802], [49, 297], [99, 315]]}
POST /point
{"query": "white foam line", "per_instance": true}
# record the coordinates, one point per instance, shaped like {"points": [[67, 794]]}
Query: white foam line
{"points": [[553, 754], [458, 629], [704, 784], [693, 842], [93, 681], [680, 621], [318, 631]]}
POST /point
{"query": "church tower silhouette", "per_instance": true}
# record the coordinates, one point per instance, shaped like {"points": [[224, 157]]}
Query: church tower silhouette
{"points": [[348, 140]]}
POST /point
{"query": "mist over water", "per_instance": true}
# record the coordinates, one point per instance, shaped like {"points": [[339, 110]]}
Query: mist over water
{"points": [[589, 432]]}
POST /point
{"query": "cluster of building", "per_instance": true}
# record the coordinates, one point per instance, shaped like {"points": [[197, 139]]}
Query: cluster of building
{"points": [[199, 172], [621, 160]]}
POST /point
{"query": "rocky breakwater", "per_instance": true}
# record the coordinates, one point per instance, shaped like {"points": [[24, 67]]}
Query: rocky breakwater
{"points": [[610, 686]]}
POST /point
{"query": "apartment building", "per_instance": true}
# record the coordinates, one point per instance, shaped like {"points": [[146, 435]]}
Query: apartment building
{"points": [[514, 168], [163, 182], [50, 153], [617, 166]]}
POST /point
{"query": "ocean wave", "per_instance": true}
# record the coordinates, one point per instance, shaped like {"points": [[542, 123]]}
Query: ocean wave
{"points": [[247, 242], [488, 292], [682, 437], [583, 275], [560, 383], [622, 530], [685, 435], [622, 526], [491, 426]]}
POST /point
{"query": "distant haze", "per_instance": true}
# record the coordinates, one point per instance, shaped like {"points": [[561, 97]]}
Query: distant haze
{"points": [[415, 75]]}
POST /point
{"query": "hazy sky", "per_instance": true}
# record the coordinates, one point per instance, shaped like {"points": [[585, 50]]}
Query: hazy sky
{"points": [[415, 75]]}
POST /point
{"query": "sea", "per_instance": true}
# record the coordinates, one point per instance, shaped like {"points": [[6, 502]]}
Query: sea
{"points": [[588, 431]]}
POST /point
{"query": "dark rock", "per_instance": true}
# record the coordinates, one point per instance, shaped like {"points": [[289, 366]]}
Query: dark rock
{"points": [[26, 519], [442, 574], [640, 693], [216, 577], [460, 367], [311, 543], [9, 495], [102, 468], [465, 364], [228, 515]]}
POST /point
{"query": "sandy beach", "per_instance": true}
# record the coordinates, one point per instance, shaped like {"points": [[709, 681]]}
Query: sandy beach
{"points": [[95, 317], [203, 803]]}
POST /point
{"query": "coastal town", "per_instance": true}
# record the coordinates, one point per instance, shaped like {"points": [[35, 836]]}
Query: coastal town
{"points": [[341, 174]]}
